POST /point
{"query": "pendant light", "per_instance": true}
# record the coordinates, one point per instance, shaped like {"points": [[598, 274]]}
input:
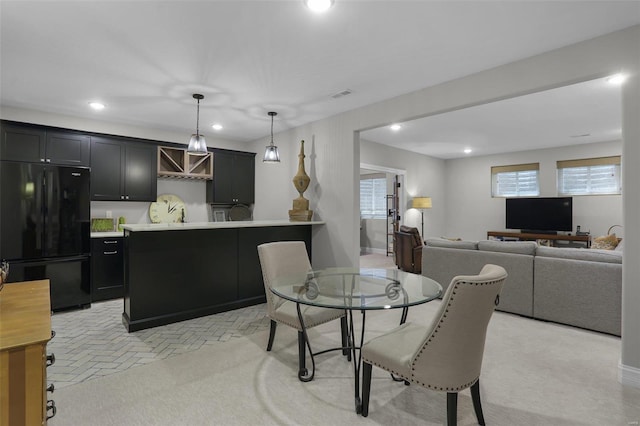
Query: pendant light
{"points": [[271, 154], [197, 144]]}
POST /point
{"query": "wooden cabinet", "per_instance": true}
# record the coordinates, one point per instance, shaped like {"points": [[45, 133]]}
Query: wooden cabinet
{"points": [[178, 163], [107, 268], [122, 170], [37, 144], [233, 178], [25, 329]]}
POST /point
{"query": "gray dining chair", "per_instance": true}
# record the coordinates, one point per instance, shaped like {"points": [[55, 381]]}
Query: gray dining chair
{"points": [[446, 355], [288, 258]]}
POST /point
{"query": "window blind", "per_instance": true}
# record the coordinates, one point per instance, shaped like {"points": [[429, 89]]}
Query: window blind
{"points": [[589, 176], [518, 180], [373, 198]]}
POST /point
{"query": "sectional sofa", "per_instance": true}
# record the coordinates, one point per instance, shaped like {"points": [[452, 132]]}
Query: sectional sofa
{"points": [[573, 286]]}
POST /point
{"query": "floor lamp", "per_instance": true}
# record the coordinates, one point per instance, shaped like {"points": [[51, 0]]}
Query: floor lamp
{"points": [[421, 203]]}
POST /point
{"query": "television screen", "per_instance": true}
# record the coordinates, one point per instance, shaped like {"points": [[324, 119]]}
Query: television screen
{"points": [[540, 214]]}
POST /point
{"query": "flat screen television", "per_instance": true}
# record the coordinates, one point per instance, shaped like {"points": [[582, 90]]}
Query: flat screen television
{"points": [[540, 214]]}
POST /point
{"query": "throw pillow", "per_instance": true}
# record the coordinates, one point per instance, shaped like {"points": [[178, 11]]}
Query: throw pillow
{"points": [[607, 242]]}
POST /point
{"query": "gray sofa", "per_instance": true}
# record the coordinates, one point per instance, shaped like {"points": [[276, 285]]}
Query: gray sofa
{"points": [[573, 286]]}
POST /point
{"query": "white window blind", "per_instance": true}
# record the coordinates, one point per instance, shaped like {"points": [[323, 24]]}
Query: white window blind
{"points": [[590, 176], [373, 198], [519, 180]]}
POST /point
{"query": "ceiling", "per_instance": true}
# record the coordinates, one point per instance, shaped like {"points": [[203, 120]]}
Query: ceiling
{"points": [[577, 114], [144, 59]]}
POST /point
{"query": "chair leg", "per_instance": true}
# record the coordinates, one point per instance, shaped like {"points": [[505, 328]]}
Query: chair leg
{"points": [[477, 406], [302, 358], [345, 337], [272, 334], [452, 408], [366, 388]]}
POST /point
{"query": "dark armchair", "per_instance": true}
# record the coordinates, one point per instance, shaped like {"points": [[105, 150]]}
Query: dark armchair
{"points": [[408, 245]]}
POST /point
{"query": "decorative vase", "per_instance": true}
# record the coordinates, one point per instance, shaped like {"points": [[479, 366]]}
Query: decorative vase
{"points": [[301, 180]]}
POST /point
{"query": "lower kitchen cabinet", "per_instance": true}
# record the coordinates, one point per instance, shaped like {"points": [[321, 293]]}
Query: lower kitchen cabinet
{"points": [[107, 268]]}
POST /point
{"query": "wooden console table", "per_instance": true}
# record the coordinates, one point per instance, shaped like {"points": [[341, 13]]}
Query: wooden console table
{"points": [[586, 239], [25, 329]]}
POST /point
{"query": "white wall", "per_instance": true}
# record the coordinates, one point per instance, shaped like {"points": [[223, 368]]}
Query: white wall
{"points": [[468, 189], [424, 176]]}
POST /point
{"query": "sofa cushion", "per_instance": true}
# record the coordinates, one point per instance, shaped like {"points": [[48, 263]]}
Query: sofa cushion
{"points": [[515, 247], [438, 242], [607, 256]]}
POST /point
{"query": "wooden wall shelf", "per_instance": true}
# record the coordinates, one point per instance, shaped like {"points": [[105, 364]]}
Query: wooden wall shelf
{"points": [[178, 163]]}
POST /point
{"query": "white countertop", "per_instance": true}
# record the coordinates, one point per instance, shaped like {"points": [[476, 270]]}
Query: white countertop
{"points": [[212, 225], [109, 234]]}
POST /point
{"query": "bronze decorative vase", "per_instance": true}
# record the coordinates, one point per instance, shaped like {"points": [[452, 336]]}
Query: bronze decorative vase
{"points": [[300, 211]]}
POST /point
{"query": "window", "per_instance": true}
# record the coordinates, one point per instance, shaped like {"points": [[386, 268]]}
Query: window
{"points": [[589, 176], [519, 180], [373, 197]]}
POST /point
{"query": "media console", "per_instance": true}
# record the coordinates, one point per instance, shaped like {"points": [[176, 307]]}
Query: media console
{"points": [[553, 238]]}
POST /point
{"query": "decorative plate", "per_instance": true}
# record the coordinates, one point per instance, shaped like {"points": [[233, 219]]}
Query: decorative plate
{"points": [[239, 212]]}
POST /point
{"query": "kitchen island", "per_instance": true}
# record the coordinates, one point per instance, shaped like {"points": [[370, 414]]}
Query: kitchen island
{"points": [[178, 271]]}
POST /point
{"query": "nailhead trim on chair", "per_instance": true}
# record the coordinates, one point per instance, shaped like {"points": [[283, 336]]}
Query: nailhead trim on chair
{"points": [[426, 385]]}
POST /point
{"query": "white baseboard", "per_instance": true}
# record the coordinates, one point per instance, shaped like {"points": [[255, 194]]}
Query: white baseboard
{"points": [[629, 376], [372, 250]]}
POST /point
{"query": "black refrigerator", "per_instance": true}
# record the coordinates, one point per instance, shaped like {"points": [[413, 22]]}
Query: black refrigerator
{"points": [[45, 228]]}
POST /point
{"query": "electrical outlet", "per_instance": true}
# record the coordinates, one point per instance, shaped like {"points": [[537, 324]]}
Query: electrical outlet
{"points": [[109, 213]]}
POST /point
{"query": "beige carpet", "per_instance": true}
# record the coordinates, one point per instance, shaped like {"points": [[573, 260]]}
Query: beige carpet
{"points": [[534, 373]]}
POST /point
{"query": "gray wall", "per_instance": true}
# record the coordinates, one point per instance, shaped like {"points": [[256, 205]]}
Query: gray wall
{"points": [[468, 189]]}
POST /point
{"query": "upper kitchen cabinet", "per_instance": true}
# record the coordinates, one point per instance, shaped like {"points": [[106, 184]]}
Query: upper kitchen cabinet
{"points": [[233, 178], [39, 145], [123, 170]]}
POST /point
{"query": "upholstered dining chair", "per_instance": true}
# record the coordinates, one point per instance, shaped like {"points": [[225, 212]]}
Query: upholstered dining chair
{"points": [[446, 355], [288, 258]]}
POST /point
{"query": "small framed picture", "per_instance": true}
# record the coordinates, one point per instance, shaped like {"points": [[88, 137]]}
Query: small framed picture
{"points": [[218, 216]]}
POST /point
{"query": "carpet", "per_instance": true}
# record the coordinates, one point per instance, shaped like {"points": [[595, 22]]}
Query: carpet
{"points": [[534, 373]]}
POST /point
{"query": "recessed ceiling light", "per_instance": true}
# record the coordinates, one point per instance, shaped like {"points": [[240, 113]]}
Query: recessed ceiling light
{"points": [[217, 126], [616, 78], [319, 6], [96, 105], [467, 150], [395, 127]]}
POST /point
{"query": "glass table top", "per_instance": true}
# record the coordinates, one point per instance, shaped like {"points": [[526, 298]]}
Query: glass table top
{"points": [[361, 289]]}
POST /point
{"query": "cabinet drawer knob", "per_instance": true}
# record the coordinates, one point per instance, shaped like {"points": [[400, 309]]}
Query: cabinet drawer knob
{"points": [[51, 359], [42, 160], [122, 197], [51, 406], [48, 160], [110, 252]]}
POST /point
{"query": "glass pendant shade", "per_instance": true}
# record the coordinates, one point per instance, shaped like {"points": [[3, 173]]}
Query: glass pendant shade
{"points": [[271, 154], [197, 144]]}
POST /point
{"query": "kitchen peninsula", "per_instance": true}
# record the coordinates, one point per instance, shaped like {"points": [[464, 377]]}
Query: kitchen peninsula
{"points": [[178, 271]]}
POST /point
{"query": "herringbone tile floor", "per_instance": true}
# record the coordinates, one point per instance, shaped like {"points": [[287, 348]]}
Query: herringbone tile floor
{"points": [[94, 343]]}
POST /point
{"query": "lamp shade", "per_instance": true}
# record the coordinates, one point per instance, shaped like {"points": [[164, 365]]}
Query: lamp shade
{"points": [[421, 203], [271, 154], [197, 145]]}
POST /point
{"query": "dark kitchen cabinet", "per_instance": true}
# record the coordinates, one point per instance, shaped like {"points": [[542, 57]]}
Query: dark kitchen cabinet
{"points": [[123, 170], [107, 268], [35, 144], [233, 178]]}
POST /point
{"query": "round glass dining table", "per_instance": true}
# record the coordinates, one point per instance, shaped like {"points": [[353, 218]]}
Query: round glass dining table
{"points": [[351, 290]]}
